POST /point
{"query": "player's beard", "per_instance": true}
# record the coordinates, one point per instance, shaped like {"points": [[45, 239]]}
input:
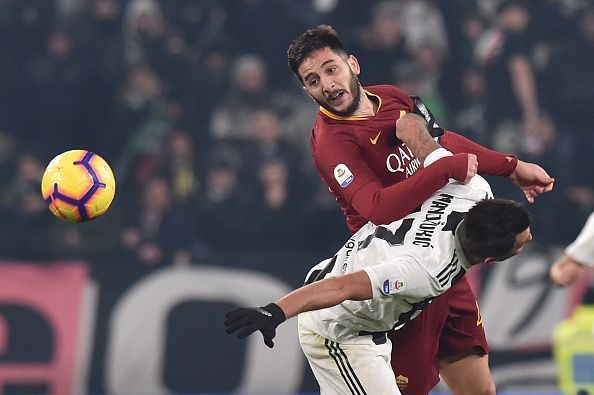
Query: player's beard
{"points": [[354, 90]]}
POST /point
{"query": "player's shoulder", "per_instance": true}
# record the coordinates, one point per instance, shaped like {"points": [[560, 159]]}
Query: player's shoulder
{"points": [[329, 131], [476, 190], [388, 91]]}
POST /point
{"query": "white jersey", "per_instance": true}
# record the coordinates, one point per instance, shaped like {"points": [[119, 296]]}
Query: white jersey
{"points": [[409, 262], [582, 249]]}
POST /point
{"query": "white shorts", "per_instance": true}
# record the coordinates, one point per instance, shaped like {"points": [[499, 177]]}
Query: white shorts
{"points": [[361, 367]]}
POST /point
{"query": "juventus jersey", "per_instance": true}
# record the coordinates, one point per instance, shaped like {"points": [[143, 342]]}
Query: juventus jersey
{"points": [[582, 249], [409, 262]]}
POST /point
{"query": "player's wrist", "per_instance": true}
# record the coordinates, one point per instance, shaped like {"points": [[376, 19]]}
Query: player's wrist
{"points": [[278, 315], [512, 163]]}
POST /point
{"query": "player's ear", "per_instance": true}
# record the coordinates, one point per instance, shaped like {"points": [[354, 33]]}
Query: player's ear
{"points": [[308, 94], [490, 261], [354, 64]]}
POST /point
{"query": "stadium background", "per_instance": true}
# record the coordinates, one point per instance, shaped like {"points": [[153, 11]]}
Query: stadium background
{"points": [[217, 204]]}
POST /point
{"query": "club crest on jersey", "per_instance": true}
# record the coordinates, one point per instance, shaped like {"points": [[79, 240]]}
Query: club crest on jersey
{"points": [[343, 175], [391, 286]]}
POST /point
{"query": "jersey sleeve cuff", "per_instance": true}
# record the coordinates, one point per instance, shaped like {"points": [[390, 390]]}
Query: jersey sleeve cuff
{"points": [[375, 286]]}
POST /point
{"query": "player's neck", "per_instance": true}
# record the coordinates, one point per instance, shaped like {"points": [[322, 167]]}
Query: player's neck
{"points": [[367, 106]]}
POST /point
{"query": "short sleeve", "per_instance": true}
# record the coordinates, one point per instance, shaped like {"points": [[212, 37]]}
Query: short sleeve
{"points": [[582, 249], [400, 279]]}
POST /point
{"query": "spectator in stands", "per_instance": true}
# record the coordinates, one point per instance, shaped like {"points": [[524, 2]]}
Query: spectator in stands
{"points": [[141, 121], [182, 166], [381, 43], [571, 90], [158, 234], [504, 54], [469, 113], [275, 208], [27, 217], [225, 206], [57, 92]]}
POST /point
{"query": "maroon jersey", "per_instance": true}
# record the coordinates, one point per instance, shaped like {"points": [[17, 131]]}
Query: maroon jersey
{"points": [[370, 171]]}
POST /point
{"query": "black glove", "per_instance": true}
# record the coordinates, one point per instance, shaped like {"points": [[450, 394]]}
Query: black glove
{"points": [[264, 319], [420, 109]]}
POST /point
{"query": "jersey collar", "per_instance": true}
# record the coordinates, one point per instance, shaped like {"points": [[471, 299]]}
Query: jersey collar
{"points": [[352, 118], [464, 262]]}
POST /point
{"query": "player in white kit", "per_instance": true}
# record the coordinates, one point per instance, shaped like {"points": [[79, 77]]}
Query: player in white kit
{"points": [[383, 277], [578, 256]]}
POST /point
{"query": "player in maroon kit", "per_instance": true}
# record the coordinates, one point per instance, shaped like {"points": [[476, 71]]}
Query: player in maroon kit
{"points": [[368, 168]]}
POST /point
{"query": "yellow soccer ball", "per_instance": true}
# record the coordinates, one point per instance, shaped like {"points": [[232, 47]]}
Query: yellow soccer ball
{"points": [[78, 186]]}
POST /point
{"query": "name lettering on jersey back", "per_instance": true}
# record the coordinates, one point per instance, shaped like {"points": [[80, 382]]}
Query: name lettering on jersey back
{"points": [[403, 161], [432, 219], [349, 249]]}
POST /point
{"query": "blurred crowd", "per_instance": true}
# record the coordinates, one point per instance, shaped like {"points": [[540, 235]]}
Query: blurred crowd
{"points": [[207, 130]]}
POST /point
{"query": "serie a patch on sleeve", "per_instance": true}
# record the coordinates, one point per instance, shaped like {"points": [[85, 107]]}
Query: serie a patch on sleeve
{"points": [[343, 175], [393, 285]]}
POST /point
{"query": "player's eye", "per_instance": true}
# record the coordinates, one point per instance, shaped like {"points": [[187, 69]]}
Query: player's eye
{"points": [[313, 82]]}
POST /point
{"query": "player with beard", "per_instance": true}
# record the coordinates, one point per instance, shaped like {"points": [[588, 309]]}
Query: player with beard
{"points": [[358, 146]]}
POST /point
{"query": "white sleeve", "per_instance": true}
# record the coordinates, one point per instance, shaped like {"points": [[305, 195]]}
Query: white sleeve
{"points": [[582, 249], [401, 279], [435, 155]]}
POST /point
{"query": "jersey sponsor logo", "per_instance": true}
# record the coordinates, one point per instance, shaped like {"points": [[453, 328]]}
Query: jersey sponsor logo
{"points": [[391, 286], [343, 175], [349, 249], [374, 140], [402, 161]]}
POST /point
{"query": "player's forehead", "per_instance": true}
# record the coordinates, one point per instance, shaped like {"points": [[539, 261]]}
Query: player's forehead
{"points": [[317, 60]]}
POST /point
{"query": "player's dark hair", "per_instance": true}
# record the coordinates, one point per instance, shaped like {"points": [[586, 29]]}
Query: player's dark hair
{"points": [[490, 227], [322, 36]]}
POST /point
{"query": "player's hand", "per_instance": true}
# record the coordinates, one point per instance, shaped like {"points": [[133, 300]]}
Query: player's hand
{"points": [[461, 167], [249, 320], [565, 271], [532, 179], [472, 168]]}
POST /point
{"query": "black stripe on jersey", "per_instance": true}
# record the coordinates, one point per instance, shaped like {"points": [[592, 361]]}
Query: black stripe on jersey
{"points": [[458, 276], [447, 272], [445, 280], [345, 368], [447, 267], [318, 275]]}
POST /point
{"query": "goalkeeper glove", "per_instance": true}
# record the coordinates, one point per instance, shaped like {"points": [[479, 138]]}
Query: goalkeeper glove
{"points": [[264, 319]]}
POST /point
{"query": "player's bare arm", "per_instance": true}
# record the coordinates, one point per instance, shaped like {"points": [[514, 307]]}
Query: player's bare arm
{"points": [[318, 295], [327, 293], [412, 130]]}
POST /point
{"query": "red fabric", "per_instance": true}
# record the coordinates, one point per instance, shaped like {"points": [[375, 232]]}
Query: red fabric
{"points": [[377, 204], [453, 318], [379, 162], [383, 189], [490, 162]]}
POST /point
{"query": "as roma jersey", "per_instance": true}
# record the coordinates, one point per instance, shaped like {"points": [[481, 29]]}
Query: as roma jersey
{"points": [[350, 152], [362, 154]]}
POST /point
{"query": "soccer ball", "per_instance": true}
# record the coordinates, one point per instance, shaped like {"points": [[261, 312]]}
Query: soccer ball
{"points": [[78, 186]]}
